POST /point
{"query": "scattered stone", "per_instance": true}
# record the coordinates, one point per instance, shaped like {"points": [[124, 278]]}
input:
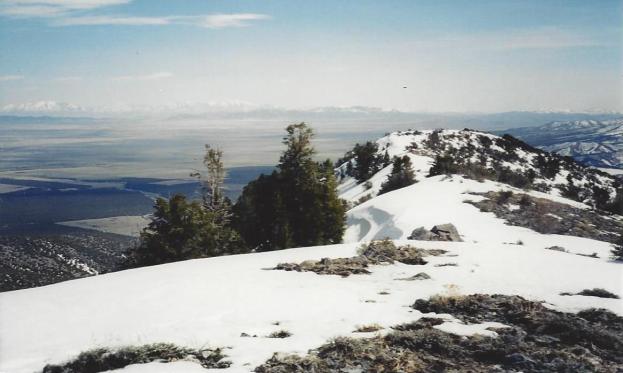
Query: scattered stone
{"points": [[342, 266], [442, 232], [374, 253], [418, 277], [556, 248], [383, 292], [593, 255], [368, 328], [446, 265]]}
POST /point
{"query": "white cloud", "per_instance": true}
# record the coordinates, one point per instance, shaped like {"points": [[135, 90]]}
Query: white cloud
{"points": [[154, 76], [6, 78], [72, 13], [107, 20], [212, 21], [231, 20], [52, 8]]}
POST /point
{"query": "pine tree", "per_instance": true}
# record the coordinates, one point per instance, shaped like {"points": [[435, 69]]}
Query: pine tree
{"points": [[295, 206], [617, 251], [443, 164], [401, 176], [367, 161], [386, 160], [215, 202], [179, 230], [333, 208], [212, 185]]}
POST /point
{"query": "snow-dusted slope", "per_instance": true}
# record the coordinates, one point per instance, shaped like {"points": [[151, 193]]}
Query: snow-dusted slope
{"points": [[597, 143], [483, 150], [440, 200], [210, 302]]}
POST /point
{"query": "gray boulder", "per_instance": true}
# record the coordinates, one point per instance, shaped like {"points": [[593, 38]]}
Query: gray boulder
{"points": [[442, 232]]}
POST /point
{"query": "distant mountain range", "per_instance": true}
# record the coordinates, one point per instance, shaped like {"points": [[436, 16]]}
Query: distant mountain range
{"points": [[592, 142]]}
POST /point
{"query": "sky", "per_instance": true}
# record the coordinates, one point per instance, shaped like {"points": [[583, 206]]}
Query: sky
{"points": [[425, 56]]}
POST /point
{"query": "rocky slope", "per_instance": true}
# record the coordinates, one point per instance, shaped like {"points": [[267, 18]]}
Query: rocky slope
{"points": [[43, 259], [482, 156]]}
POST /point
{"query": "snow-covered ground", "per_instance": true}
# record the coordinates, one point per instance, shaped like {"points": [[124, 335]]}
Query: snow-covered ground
{"points": [[612, 171], [123, 225], [210, 302], [439, 200]]}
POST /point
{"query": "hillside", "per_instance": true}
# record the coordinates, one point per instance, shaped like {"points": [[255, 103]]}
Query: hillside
{"points": [[592, 142], [238, 302]]}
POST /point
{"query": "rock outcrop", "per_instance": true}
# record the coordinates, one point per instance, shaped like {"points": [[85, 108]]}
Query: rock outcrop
{"points": [[442, 232]]}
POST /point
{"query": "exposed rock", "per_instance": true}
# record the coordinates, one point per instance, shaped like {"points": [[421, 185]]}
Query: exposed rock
{"points": [[536, 339], [375, 253], [442, 232], [28, 261], [596, 292], [341, 266], [549, 217], [419, 276]]}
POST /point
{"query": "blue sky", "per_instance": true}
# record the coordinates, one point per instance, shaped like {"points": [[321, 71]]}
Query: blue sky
{"points": [[451, 55]]}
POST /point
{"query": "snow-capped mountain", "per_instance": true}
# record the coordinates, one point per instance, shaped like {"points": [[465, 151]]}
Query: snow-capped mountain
{"points": [[519, 235], [592, 142]]}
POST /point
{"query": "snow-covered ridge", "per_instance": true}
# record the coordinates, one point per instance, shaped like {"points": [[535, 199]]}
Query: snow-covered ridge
{"points": [[550, 173]]}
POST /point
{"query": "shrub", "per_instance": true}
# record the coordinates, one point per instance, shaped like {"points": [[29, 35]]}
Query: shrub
{"points": [[368, 328], [280, 334], [504, 196], [401, 175], [598, 292], [105, 359]]}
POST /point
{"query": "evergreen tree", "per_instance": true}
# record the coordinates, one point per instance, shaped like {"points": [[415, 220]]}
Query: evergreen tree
{"points": [[299, 180], [401, 176], [260, 215], [616, 206], [367, 162], [443, 164], [617, 251], [179, 230], [333, 208], [215, 202], [386, 160], [295, 206]]}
